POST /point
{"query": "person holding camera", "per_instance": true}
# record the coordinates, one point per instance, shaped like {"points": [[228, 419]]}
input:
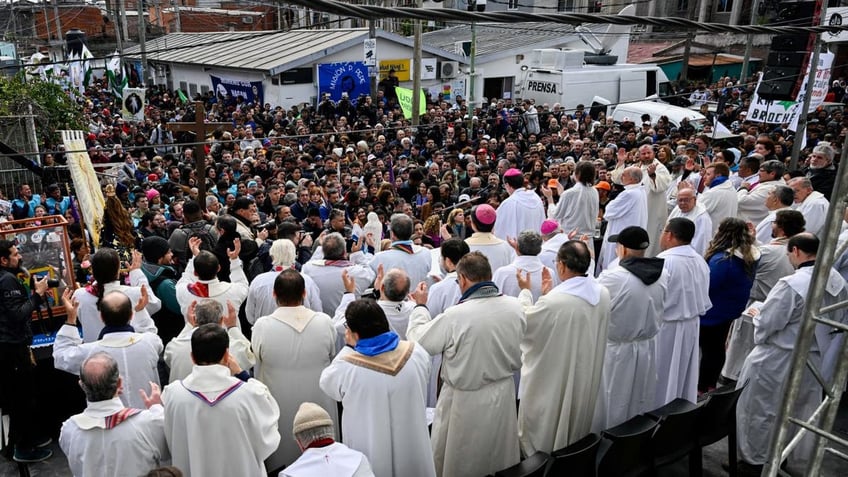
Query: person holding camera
{"points": [[17, 363]]}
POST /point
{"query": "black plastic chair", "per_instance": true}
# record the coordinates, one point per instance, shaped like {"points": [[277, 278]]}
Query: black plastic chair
{"points": [[576, 460], [676, 437], [716, 420], [628, 449], [533, 466]]}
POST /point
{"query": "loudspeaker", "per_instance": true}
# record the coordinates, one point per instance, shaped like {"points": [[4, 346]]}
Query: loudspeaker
{"points": [[787, 59], [779, 83], [793, 42]]}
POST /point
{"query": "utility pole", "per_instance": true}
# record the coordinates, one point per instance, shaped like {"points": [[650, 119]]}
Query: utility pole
{"points": [[122, 12], [416, 70], [177, 23], [372, 33], [58, 23], [687, 49], [749, 45], [142, 39], [113, 17]]}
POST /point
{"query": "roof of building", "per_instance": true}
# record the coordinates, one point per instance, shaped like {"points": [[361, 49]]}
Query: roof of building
{"points": [[269, 51]]}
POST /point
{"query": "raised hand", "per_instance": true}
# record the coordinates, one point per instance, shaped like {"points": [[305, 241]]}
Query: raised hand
{"points": [[523, 279], [233, 253], [190, 316], [547, 281], [142, 302], [155, 396], [231, 318], [419, 295], [136, 260], [348, 281], [194, 245]]}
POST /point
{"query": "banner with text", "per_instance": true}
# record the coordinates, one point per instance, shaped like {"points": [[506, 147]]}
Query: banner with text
{"points": [[403, 69], [132, 105], [405, 99], [788, 112], [251, 91], [337, 78]]}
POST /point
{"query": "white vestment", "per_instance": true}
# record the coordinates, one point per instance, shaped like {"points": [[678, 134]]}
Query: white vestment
{"points": [[178, 352], [677, 346], [764, 230], [504, 277], [499, 252], [629, 380], [216, 424], [260, 295], [577, 209], [523, 210], [137, 355], [766, 369], [384, 409], [720, 202], [655, 195], [293, 345], [475, 431], [327, 274], [440, 297], [335, 460], [752, 203], [703, 226], [416, 265], [234, 291], [814, 209], [550, 248], [563, 356], [89, 316], [397, 313], [630, 207], [97, 449]]}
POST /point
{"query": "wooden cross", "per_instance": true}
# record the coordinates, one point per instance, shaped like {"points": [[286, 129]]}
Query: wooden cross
{"points": [[200, 128]]}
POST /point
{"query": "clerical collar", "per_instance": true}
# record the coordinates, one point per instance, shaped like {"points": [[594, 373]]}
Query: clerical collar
{"points": [[809, 263], [115, 329], [327, 441]]}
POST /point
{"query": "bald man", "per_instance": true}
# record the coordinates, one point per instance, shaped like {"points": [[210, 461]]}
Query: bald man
{"points": [[629, 208]]}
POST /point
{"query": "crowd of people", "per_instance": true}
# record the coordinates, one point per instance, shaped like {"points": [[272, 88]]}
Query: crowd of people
{"points": [[591, 270]]}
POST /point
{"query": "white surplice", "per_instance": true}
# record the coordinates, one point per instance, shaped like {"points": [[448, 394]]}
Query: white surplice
{"points": [[814, 208], [137, 355], [720, 202], [293, 345], [577, 209], [89, 315], [260, 295], [327, 274], [523, 210], [630, 207], [550, 248], [655, 195], [178, 352], [475, 431], [751, 203], [234, 291], [440, 297], [499, 252], [416, 264], [677, 346], [132, 447], [504, 277], [629, 381], [335, 460], [703, 226], [218, 425], [563, 356], [384, 407]]}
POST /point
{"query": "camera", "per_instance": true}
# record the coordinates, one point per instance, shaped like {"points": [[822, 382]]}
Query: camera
{"points": [[51, 282], [269, 226]]}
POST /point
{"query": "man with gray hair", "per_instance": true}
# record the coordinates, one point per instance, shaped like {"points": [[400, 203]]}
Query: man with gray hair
{"points": [[527, 246], [391, 289], [630, 207], [314, 433], [780, 198], [327, 271], [402, 253], [822, 173], [811, 203], [752, 197], [95, 441], [260, 296], [178, 351]]}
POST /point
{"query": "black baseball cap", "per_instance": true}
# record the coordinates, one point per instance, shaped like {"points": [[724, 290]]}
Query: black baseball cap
{"points": [[633, 237]]}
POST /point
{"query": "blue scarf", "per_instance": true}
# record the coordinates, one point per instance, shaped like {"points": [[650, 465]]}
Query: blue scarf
{"points": [[115, 329], [474, 288], [718, 181], [378, 344]]}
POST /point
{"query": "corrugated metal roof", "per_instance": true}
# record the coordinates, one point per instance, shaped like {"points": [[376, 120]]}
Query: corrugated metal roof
{"points": [[495, 38], [262, 51]]}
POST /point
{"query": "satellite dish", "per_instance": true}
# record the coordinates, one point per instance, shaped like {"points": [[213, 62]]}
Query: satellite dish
{"points": [[609, 38]]}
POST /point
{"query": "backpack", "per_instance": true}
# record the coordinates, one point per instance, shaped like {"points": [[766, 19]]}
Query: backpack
{"points": [[207, 240], [255, 267]]}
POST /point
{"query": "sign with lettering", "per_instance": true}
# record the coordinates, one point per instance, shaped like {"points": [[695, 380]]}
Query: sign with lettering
{"points": [[349, 78], [403, 69]]}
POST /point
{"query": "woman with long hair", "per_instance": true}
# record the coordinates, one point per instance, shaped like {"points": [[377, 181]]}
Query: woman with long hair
{"points": [[456, 224], [733, 260]]}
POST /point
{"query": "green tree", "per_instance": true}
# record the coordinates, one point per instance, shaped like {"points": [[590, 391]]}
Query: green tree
{"points": [[53, 109]]}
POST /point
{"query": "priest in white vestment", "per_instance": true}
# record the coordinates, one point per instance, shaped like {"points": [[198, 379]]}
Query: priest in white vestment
{"points": [[637, 288], [327, 272], [811, 203], [498, 251], [522, 210], [402, 253], [578, 206], [630, 207], [322, 455], [105, 266], [687, 299], [260, 294], [766, 369], [562, 353], [218, 420], [200, 278], [136, 353], [528, 245], [381, 380], [108, 439], [689, 208], [655, 181], [780, 198], [751, 198], [475, 431], [720, 197], [178, 350], [552, 239], [293, 345]]}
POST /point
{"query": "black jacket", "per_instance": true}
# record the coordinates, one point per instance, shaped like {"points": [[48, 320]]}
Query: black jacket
{"points": [[17, 306]]}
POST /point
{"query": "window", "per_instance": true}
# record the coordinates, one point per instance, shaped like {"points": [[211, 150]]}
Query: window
{"points": [[565, 5], [512, 5], [724, 6], [682, 5]]}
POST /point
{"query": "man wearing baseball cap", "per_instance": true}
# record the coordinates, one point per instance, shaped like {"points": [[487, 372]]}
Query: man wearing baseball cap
{"points": [[637, 287], [522, 210]]}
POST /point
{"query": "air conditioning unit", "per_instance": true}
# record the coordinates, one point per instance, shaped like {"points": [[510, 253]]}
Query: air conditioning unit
{"points": [[247, 20], [449, 69]]}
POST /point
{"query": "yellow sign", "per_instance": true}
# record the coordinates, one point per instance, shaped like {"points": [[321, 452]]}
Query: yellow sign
{"points": [[405, 101], [402, 69]]}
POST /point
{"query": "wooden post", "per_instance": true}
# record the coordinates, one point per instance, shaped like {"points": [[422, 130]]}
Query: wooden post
{"points": [[200, 128]]}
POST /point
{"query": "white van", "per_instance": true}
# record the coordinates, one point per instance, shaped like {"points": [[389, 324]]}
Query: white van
{"points": [[633, 111]]}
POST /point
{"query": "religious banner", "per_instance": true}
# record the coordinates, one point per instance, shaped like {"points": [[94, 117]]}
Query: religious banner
{"points": [[251, 91], [405, 100], [133, 104], [403, 69], [337, 78], [788, 112], [87, 187]]}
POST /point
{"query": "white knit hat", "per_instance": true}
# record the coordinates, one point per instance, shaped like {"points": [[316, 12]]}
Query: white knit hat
{"points": [[310, 415]]}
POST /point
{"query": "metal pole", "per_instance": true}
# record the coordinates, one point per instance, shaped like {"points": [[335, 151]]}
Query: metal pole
{"points": [[416, 70], [372, 33], [58, 23], [687, 51], [33, 137], [122, 12], [177, 22], [471, 78], [142, 39], [749, 45]]}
